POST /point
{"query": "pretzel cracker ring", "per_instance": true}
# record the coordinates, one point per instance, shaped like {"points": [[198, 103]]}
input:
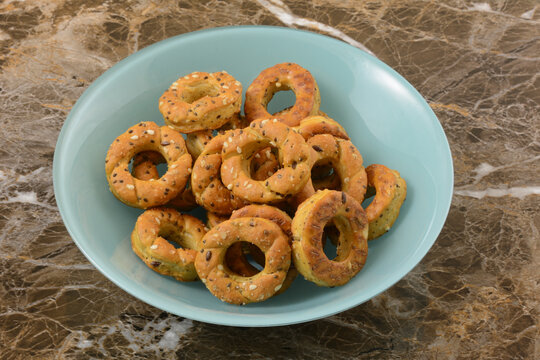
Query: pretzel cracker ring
{"points": [[286, 76], [196, 141], [144, 168], [318, 124], [233, 288], [148, 241], [390, 192], [308, 227], [281, 219], [346, 160], [207, 186], [147, 136], [293, 155], [201, 101]]}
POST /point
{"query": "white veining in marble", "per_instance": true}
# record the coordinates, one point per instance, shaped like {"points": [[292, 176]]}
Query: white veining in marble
{"points": [[28, 197], [528, 15], [481, 7], [518, 192], [484, 169], [283, 13]]}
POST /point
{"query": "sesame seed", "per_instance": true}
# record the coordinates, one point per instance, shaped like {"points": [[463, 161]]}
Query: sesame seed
{"points": [[186, 77], [175, 83], [194, 176], [195, 75], [272, 143], [232, 169], [257, 155], [268, 153], [224, 101], [270, 173], [153, 247], [278, 84], [220, 267], [249, 185], [189, 170], [225, 144], [134, 137], [151, 132], [229, 186], [160, 103], [170, 127], [225, 87], [346, 180], [252, 287], [264, 122], [130, 187], [230, 139], [277, 287], [238, 150], [173, 166], [223, 236], [275, 120], [237, 83], [157, 220], [172, 251]]}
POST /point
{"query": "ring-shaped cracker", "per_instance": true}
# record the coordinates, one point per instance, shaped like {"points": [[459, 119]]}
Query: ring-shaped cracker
{"points": [[349, 173], [145, 168], [286, 76], [231, 287], [147, 136], [308, 228], [293, 155], [201, 101], [206, 182], [280, 218], [149, 242], [390, 192]]}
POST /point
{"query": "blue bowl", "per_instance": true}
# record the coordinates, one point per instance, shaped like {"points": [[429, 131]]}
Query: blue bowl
{"points": [[387, 119]]}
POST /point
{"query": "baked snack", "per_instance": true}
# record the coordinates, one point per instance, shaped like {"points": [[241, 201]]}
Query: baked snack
{"points": [[149, 240], [147, 136], [231, 287], [201, 101], [390, 192], [144, 167], [281, 219], [293, 156], [286, 76], [308, 227], [206, 178]]}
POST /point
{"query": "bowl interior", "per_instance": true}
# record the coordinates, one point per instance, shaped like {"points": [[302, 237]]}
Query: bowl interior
{"points": [[387, 119]]}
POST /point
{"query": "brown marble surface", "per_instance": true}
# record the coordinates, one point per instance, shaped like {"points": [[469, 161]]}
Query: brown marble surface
{"points": [[475, 295]]}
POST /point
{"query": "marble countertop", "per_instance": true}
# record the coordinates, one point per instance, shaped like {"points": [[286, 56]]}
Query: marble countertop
{"points": [[476, 293]]}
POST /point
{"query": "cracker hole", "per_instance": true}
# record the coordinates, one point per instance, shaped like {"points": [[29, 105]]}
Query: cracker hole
{"points": [[199, 90], [330, 241], [169, 233], [280, 101], [264, 163], [146, 168], [244, 259], [325, 176]]}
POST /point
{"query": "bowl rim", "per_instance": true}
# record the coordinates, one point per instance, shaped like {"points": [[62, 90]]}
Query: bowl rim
{"points": [[190, 312]]}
